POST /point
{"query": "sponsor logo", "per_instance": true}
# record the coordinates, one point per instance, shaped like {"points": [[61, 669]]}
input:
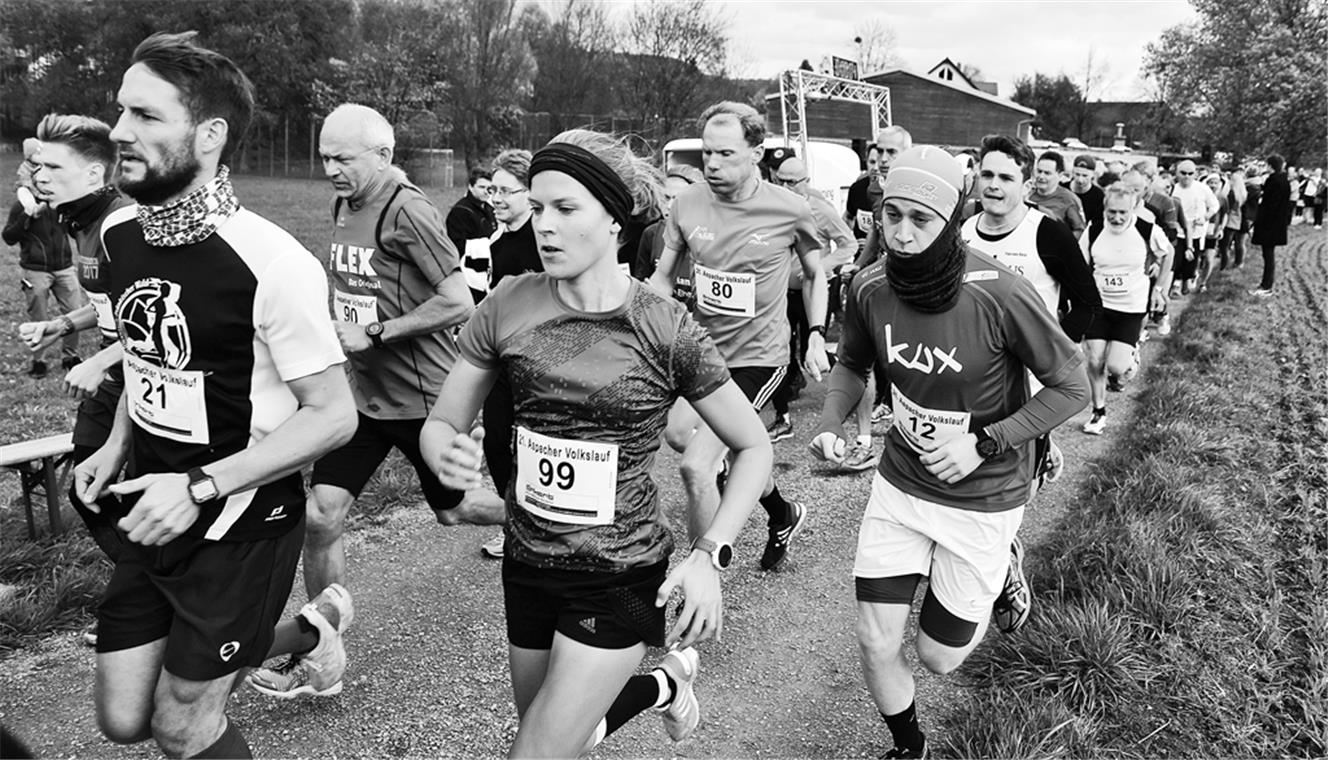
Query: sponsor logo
{"points": [[277, 514], [924, 359], [228, 650], [352, 259], [759, 238], [700, 233], [588, 624], [153, 325]]}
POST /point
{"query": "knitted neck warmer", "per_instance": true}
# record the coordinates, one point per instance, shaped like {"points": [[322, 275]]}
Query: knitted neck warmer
{"points": [[192, 218], [78, 214], [930, 281]]}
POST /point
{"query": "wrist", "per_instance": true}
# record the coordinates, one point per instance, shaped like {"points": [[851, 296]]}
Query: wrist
{"points": [[816, 330]]}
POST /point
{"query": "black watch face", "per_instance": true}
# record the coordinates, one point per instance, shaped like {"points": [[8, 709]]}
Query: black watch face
{"points": [[724, 555], [987, 448]]}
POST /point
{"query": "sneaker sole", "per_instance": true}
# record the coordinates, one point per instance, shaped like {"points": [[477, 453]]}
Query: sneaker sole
{"points": [[302, 691], [861, 466], [1018, 551], [778, 438]]}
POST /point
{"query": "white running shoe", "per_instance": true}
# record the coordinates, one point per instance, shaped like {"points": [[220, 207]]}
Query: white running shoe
{"points": [[318, 672], [1097, 424], [683, 713], [493, 548], [1164, 325]]}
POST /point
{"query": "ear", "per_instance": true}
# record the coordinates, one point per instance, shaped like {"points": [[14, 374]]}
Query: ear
{"points": [[384, 157], [211, 135]]}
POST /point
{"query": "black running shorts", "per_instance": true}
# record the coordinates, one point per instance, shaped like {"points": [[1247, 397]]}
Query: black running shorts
{"points": [[215, 602], [96, 414], [605, 610], [351, 466], [1118, 326], [758, 384]]}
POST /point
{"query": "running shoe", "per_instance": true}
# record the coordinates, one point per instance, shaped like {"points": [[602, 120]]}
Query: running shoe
{"points": [[1096, 424], [1015, 601], [683, 713], [780, 429], [1114, 384], [882, 414], [859, 457], [781, 537], [1257, 293], [69, 362], [318, 672], [38, 369], [1164, 325], [904, 753], [90, 636], [1133, 370], [493, 548]]}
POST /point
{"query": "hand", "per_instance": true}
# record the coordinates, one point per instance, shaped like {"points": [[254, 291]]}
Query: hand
{"points": [[353, 338], [1157, 300], [828, 447], [93, 474], [458, 467], [953, 460], [702, 613], [162, 513], [816, 363], [83, 379], [39, 335]]}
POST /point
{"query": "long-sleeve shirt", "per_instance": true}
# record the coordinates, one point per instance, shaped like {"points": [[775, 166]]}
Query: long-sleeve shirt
{"points": [[43, 245]]}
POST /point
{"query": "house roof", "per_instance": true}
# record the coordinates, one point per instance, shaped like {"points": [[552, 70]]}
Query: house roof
{"points": [[972, 92], [955, 68]]}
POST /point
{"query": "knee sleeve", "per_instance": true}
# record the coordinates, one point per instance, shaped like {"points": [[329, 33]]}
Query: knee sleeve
{"points": [[942, 625], [898, 589]]}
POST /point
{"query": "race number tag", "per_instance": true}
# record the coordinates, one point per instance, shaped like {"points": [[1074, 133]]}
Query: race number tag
{"points": [[864, 220], [166, 402], [728, 293], [574, 482], [101, 302], [354, 308], [921, 426], [1116, 284]]}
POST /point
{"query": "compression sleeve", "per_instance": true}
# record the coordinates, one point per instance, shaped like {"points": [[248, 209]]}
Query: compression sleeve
{"points": [[857, 354]]}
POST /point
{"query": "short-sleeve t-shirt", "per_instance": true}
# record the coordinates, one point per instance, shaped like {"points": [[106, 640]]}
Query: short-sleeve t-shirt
{"points": [[1119, 261], [740, 266], [861, 205], [212, 333], [388, 256], [957, 372], [591, 382]]}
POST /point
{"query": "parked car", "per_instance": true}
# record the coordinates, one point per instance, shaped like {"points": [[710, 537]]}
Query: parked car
{"points": [[1038, 143], [1120, 149], [1074, 142]]}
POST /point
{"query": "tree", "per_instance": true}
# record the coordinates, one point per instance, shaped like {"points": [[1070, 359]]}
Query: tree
{"points": [[673, 49], [877, 46], [1057, 101], [574, 56], [1091, 80], [1250, 75]]}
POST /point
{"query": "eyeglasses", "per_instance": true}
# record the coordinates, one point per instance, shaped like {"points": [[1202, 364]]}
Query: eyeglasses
{"points": [[504, 192], [1186, 174]]}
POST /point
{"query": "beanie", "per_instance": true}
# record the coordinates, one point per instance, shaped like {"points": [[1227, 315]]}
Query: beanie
{"points": [[927, 175]]}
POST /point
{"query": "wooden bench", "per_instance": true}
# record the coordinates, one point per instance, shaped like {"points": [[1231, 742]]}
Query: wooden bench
{"points": [[37, 463]]}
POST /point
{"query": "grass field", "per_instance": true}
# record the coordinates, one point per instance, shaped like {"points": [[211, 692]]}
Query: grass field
{"points": [[52, 583], [1184, 606]]}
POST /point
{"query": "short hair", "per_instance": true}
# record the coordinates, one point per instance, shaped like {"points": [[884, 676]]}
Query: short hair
{"points": [[211, 85], [1013, 147], [1129, 175], [478, 173], [515, 162], [1118, 190], [375, 130], [1085, 161], [1276, 162], [895, 130], [1054, 157], [1146, 168], [751, 121], [89, 138], [1108, 179], [645, 182]]}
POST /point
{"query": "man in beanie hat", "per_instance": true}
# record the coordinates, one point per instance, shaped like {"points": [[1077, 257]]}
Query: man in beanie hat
{"points": [[955, 333]]}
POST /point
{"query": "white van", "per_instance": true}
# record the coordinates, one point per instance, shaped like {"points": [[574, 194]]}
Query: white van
{"points": [[831, 167]]}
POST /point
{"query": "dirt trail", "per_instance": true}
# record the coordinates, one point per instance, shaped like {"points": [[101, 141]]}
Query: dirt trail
{"points": [[428, 674]]}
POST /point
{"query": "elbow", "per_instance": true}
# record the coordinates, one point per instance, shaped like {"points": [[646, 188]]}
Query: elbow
{"points": [[342, 423]]}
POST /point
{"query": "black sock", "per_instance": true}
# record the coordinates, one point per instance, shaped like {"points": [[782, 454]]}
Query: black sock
{"points": [[775, 506], [639, 694], [308, 635], [904, 728], [1100, 410], [230, 744]]}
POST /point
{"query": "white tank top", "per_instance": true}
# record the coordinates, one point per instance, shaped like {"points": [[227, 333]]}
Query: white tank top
{"points": [[1017, 249]]}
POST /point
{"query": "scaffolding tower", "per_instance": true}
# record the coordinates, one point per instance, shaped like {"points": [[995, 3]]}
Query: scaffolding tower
{"points": [[797, 86]]}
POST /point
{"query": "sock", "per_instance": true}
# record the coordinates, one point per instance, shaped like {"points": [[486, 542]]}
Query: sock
{"points": [[904, 728], [775, 506], [229, 745], [1099, 411], [639, 694], [308, 635], [865, 440]]}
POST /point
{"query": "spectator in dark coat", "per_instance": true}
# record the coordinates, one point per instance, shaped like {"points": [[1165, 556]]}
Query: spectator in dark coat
{"points": [[1270, 225]]}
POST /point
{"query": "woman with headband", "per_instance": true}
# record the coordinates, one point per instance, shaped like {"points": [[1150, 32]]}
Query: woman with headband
{"points": [[595, 360]]}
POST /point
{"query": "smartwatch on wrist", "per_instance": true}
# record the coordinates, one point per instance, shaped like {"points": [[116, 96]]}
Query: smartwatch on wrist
{"points": [[721, 555], [818, 329], [202, 487], [375, 332], [987, 446], [66, 325]]}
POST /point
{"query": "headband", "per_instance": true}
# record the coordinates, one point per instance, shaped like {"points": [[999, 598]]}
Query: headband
{"points": [[587, 168]]}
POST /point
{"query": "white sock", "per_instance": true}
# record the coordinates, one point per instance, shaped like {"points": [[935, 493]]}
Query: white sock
{"points": [[665, 693], [597, 736]]}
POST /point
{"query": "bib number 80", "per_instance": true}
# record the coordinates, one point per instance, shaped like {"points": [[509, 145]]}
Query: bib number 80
{"points": [[564, 474], [721, 289]]}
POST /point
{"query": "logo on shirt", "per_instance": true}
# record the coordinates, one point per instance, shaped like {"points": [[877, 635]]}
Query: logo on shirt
{"points": [[701, 233], [279, 512], [588, 624], [352, 259], [228, 650], [920, 358], [152, 324], [761, 239]]}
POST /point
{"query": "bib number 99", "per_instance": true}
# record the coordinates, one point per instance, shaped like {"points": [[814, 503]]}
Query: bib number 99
{"points": [[564, 474]]}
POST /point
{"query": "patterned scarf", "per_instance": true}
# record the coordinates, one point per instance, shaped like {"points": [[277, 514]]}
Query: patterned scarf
{"points": [[192, 218], [930, 281]]}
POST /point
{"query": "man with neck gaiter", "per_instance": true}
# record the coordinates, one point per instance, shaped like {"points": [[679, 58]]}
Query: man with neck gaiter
{"points": [[955, 332]]}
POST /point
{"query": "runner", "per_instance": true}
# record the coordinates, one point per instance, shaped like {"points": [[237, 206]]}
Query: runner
{"points": [[739, 231], [75, 161], [595, 360], [397, 292], [1125, 257], [237, 383], [956, 333]]}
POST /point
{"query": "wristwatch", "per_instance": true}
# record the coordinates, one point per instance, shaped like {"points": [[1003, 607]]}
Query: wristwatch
{"points": [[375, 332], [721, 555], [202, 487], [819, 329], [987, 446]]}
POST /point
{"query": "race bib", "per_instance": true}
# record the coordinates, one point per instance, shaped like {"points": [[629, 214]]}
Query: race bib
{"points": [[921, 426], [166, 402], [565, 481], [1116, 284], [101, 302], [864, 220], [728, 293], [354, 308], [625, 268]]}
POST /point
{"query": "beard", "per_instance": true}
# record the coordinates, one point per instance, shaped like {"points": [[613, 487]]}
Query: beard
{"points": [[178, 169]]}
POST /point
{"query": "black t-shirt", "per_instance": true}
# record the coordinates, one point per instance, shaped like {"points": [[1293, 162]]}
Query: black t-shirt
{"points": [[1094, 202], [513, 253], [862, 196]]}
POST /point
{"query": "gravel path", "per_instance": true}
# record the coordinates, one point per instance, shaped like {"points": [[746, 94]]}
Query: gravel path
{"points": [[428, 672]]}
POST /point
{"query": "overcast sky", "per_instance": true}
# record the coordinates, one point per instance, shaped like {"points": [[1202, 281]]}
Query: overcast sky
{"points": [[1005, 39]]}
